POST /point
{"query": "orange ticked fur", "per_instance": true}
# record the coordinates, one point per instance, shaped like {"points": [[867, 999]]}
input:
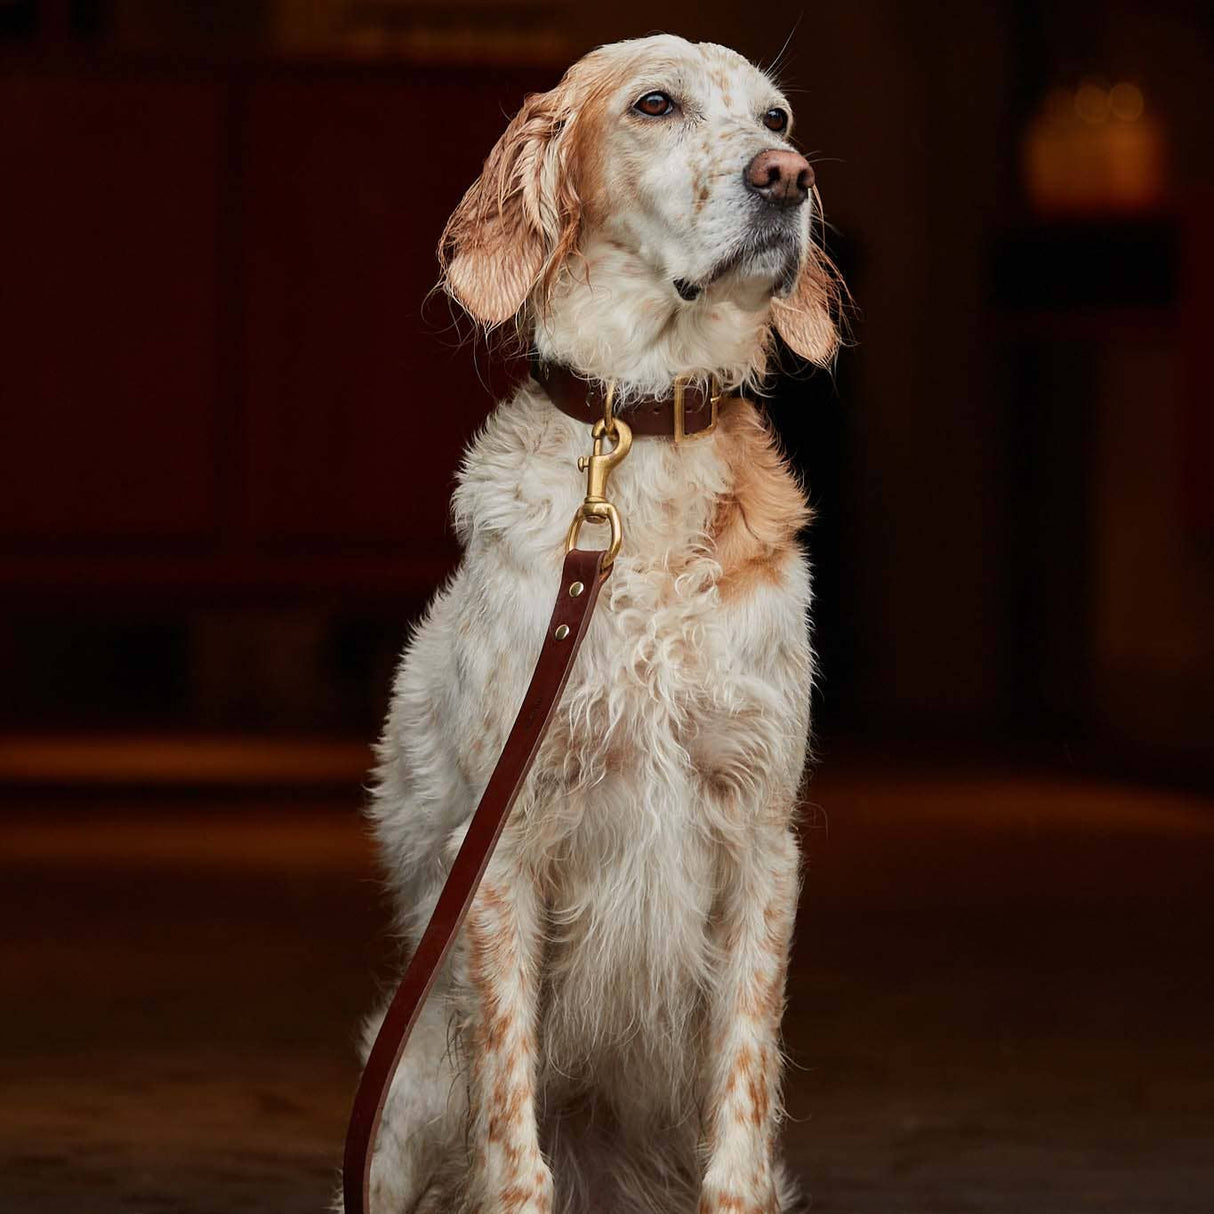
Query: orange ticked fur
{"points": [[754, 531]]}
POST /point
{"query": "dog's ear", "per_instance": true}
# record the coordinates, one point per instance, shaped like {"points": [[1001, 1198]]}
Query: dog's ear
{"points": [[520, 220], [805, 318]]}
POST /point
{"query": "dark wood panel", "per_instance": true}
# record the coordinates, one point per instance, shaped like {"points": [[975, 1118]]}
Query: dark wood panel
{"points": [[1089, 265], [108, 306], [1197, 324], [360, 394], [167, 575]]}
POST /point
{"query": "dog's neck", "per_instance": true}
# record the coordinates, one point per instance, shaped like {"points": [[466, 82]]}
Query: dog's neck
{"points": [[614, 315]]}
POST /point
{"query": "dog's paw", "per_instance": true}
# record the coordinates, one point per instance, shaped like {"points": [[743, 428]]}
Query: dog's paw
{"points": [[522, 1194], [733, 1196]]}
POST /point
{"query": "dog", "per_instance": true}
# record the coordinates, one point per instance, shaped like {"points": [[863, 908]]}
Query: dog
{"points": [[605, 1036]]}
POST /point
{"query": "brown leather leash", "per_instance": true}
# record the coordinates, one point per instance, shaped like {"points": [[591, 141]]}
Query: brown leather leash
{"points": [[566, 629], [582, 577]]}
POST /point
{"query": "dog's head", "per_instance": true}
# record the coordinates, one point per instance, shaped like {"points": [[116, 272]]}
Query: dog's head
{"points": [[673, 151]]}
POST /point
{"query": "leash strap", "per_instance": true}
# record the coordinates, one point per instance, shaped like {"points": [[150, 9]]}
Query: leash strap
{"points": [[582, 577]]}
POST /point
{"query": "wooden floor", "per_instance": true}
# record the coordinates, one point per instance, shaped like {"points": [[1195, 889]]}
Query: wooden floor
{"points": [[1002, 999]]}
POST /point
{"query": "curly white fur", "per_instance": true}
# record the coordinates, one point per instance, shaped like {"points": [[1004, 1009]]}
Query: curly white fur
{"points": [[605, 1038]]}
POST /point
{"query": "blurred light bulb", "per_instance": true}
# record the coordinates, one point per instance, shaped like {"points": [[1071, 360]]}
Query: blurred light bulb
{"points": [[1091, 102], [1093, 149]]}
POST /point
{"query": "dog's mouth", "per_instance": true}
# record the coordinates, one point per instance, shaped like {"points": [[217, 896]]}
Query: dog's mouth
{"points": [[775, 253]]}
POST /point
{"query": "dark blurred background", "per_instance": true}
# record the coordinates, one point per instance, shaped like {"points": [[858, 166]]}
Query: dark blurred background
{"points": [[220, 506]]}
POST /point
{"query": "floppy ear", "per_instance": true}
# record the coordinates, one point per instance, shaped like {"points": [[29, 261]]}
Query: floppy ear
{"points": [[517, 224], [805, 318]]}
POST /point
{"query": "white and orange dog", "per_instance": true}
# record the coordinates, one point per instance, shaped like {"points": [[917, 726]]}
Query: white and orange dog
{"points": [[606, 1037]]}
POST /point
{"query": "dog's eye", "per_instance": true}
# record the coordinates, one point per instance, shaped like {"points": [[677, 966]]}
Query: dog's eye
{"points": [[655, 105], [776, 119]]}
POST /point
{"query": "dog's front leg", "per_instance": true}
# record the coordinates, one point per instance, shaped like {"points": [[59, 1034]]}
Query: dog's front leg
{"points": [[503, 941], [755, 918]]}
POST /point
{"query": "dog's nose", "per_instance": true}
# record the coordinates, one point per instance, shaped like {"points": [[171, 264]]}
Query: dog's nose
{"points": [[783, 178]]}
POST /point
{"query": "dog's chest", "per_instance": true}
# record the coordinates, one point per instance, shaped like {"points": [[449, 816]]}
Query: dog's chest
{"points": [[659, 759], [663, 658], [682, 680], [662, 751], [622, 836]]}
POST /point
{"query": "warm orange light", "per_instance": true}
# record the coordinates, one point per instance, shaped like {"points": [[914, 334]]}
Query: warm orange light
{"points": [[1094, 149]]}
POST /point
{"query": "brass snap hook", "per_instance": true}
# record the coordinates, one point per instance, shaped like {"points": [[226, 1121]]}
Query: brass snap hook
{"points": [[598, 466]]}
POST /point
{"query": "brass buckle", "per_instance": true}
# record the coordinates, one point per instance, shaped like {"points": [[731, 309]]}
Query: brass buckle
{"points": [[598, 467], [680, 408]]}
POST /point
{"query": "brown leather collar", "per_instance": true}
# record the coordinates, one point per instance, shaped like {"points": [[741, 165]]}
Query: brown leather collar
{"points": [[687, 413]]}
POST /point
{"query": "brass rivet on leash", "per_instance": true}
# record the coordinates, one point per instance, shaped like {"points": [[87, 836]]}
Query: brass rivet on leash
{"points": [[562, 631], [576, 589]]}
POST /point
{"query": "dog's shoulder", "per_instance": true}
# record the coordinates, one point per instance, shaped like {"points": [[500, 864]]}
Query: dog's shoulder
{"points": [[754, 528], [514, 466]]}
